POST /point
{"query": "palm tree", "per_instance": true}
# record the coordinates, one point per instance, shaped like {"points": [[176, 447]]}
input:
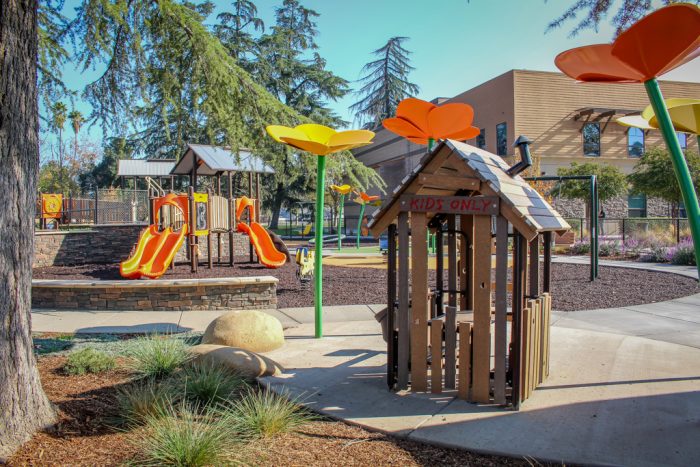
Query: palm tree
{"points": [[385, 84], [58, 121], [76, 120]]}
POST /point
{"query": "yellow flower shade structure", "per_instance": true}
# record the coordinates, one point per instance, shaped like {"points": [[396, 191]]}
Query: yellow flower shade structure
{"points": [[342, 190], [685, 116], [321, 141]]}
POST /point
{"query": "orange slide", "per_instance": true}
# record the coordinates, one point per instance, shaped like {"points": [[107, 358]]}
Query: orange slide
{"points": [[265, 248], [155, 250]]}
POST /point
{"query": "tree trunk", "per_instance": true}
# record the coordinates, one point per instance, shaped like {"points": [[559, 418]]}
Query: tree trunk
{"points": [[24, 408], [277, 200]]}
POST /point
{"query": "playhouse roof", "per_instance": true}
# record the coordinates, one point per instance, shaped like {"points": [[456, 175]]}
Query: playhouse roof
{"points": [[453, 167], [216, 159]]}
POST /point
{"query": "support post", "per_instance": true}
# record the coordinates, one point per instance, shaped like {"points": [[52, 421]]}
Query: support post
{"points": [[547, 271], [341, 205], [404, 313], [318, 256], [390, 307], [680, 166]]}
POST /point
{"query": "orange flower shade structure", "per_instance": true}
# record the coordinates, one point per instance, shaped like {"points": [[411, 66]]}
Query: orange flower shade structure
{"points": [[319, 139], [654, 45], [423, 122], [363, 199]]}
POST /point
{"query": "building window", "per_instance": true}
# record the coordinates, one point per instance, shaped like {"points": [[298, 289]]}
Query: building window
{"points": [[635, 142], [481, 139], [502, 139], [683, 139], [591, 139], [637, 206]]}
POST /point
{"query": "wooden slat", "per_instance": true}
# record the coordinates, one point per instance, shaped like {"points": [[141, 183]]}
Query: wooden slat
{"points": [[482, 308], [540, 339], [548, 317], [466, 262], [436, 355], [392, 269], [532, 304], [518, 222], [419, 302], [403, 315], [448, 182], [501, 330], [450, 347], [525, 365], [465, 346]]}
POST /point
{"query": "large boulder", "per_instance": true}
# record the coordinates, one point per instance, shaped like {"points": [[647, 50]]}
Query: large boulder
{"points": [[248, 364], [246, 329]]}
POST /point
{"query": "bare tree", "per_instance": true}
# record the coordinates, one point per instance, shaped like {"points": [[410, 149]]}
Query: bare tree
{"points": [[24, 407]]}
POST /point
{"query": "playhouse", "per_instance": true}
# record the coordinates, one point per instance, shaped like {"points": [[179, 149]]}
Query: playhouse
{"points": [[461, 333]]}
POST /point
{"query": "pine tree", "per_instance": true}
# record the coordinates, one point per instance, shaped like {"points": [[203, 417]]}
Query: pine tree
{"points": [[385, 84], [233, 29]]}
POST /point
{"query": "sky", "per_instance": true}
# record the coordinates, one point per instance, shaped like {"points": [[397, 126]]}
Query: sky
{"points": [[455, 44]]}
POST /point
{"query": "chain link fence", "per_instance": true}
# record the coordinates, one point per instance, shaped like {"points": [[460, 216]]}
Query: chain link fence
{"points": [[640, 230]]}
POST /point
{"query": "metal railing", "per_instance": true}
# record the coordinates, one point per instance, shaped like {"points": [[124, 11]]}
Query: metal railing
{"points": [[666, 230], [103, 206]]}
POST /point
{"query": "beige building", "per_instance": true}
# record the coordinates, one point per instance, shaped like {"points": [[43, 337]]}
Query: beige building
{"points": [[567, 122]]}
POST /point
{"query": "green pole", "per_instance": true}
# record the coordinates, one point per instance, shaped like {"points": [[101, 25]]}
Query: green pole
{"points": [[318, 258], [359, 224], [680, 167], [431, 141], [340, 221]]}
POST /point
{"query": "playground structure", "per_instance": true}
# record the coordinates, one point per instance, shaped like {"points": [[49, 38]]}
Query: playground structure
{"points": [[203, 214], [469, 195]]}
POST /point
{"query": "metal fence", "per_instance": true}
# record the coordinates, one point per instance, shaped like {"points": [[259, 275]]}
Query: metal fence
{"points": [[666, 230], [304, 228], [103, 206]]}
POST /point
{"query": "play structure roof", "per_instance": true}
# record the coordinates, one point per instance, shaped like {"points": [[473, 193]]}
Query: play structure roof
{"points": [[216, 159], [145, 167], [454, 167]]}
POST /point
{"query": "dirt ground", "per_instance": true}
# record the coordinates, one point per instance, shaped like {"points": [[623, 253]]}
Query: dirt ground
{"points": [[571, 289], [84, 436]]}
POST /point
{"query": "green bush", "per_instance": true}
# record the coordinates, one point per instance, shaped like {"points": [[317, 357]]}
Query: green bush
{"points": [[143, 400], [683, 254], [207, 383], [158, 356], [88, 360], [264, 414], [181, 435], [609, 248], [581, 247]]}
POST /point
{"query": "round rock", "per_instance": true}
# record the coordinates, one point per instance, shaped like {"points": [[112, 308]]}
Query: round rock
{"points": [[248, 364], [246, 329]]}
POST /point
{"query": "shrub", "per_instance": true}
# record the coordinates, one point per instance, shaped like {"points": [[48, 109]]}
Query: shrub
{"points": [[158, 356], [682, 254], [264, 414], [580, 247], [88, 360], [183, 436], [632, 247], [208, 383], [142, 400], [609, 248], [655, 253]]}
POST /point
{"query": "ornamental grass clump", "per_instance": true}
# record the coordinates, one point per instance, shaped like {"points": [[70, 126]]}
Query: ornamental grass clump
{"points": [[144, 400], [263, 413], [158, 356], [682, 254], [207, 383], [184, 435], [581, 247], [88, 360], [609, 248]]}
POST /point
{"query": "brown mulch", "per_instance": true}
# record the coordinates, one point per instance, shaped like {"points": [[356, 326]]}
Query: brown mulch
{"points": [[83, 435], [571, 289]]}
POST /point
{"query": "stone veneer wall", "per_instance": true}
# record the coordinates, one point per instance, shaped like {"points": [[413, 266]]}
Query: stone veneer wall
{"points": [[615, 208], [111, 243], [236, 293]]}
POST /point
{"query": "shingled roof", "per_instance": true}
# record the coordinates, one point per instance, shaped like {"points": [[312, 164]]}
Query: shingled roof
{"points": [[455, 167]]}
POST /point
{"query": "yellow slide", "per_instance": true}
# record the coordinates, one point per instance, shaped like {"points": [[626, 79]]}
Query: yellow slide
{"points": [[154, 253], [265, 248]]}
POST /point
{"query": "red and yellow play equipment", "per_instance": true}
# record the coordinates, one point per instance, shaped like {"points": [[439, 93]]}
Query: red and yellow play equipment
{"points": [[261, 240], [156, 249]]}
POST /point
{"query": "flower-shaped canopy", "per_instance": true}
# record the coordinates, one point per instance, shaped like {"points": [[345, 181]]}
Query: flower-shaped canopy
{"points": [[419, 121], [342, 189], [363, 198], [685, 115], [319, 139], [655, 45]]}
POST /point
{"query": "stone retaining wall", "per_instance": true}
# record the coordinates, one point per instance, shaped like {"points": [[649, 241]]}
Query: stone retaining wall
{"points": [[236, 293], [112, 243]]}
